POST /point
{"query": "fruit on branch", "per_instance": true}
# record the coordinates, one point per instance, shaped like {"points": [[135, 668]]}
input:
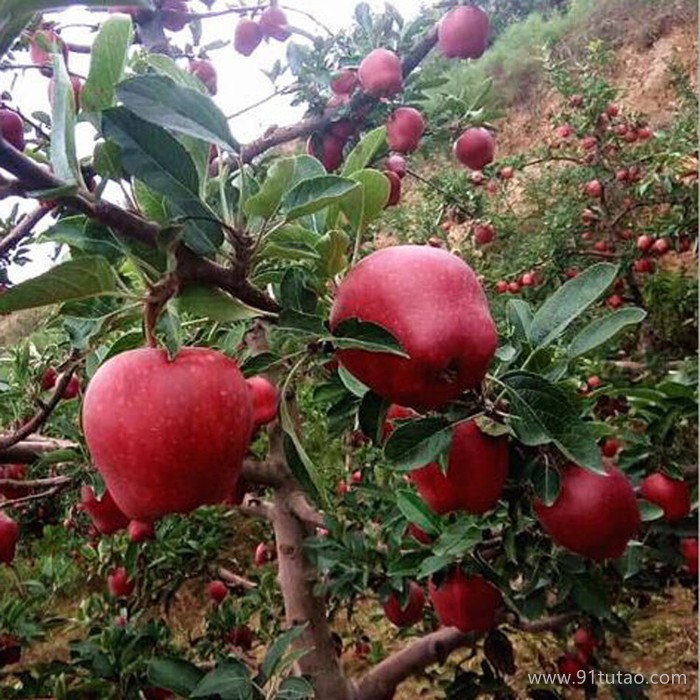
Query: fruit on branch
{"points": [[205, 71], [174, 22], [672, 495], [661, 246], [140, 531], [589, 142], [600, 246], [77, 86], [594, 515], [475, 148], [247, 37], [48, 379], [689, 551], [501, 286], [483, 234], [396, 164], [103, 512], [417, 534], [585, 643], [328, 148], [9, 534], [476, 471], [119, 584], [404, 129], [380, 73], [477, 178], [615, 301], [345, 82], [463, 32], [11, 128], [265, 399], [72, 388], [273, 24], [593, 382], [610, 448], [160, 442], [342, 487], [643, 266], [513, 287], [394, 188], [263, 554], [343, 129], [241, 637], [395, 413], [644, 133], [528, 279], [594, 189], [572, 670], [467, 602], [644, 243], [217, 591], [411, 612], [43, 43], [433, 304], [622, 175]]}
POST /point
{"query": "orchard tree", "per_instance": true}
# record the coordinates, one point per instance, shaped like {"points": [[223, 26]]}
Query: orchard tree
{"points": [[223, 338]]}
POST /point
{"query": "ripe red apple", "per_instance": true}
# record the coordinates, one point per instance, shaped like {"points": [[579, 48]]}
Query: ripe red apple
{"points": [[506, 173], [160, 442], [644, 133], [600, 245], [42, 44], [433, 304], [394, 188], [585, 643], [644, 243], [576, 100], [643, 265], [593, 382], [411, 612], [588, 216], [175, 22], [9, 534], [621, 129], [528, 279], [594, 189], [594, 515], [622, 175], [247, 37], [345, 82], [380, 73], [104, 513], [417, 534], [72, 388], [11, 128], [589, 142], [217, 591], [476, 471], [571, 273], [404, 129], [612, 110], [468, 603], [501, 286], [140, 531], [205, 71], [119, 584], [689, 550], [672, 495], [463, 32], [475, 148], [241, 637], [342, 487], [265, 398], [610, 448], [483, 234], [263, 554], [661, 246], [356, 477], [48, 379], [273, 24], [630, 136], [563, 131], [396, 164], [328, 148], [513, 287], [615, 301], [572, 670]]}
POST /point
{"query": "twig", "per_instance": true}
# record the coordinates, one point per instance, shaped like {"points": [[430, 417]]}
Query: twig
{"points": [[236, 580], [32, 449], [22, 229], [34, 496], [300, 506]]}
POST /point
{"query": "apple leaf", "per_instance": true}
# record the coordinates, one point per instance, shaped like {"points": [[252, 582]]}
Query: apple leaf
{"points": [[166, 66], [649, 511], [601, 330], [366, 203], [295, 688], [314, 194], [362, 335], [229, 679], [519, 315], [207, 302], [371, 415], [414, 509], [64, 161], [177, 675], [294, 320], [365, 151], [546, 484], [418, 443], [569, 302]]}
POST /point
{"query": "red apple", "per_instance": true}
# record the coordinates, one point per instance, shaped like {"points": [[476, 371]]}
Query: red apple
{"points": [[610, 448], [356, 477], [644, 243], [263, 554], [593, 382], [672, 495], [594, 189], [345, 82], [600, 245], [408, 614], [563, 131], [585, 643], [140, 531], [380, 73], [689, 550], [612, 110], [621, 129], [644, 133], [475, 148], [362, 647], [483, 234], [265, 398], [463, 32], [506, 173], [572, 671], [43, 43], [528, 279], [576, 100], [217, 591], [247, 37], [571, 273], [328, 148], [433, 304], [395, 413], [643, 265], [615, 301], [404, 129], [589, 142], [513, 287], [178, 20], [588, 216], [468, 603], [630, 136], [394, 188], [11, 128], [477, 178], [343, 129], [104, 513], [622, 175], [9, 534], [476, 471], [661, 246], [273, 24], [241, 637], [501, 286], [396, 164], [205, 71], [119, 584], [160, 442], [342, 487], [594, 515], [48, 379]]}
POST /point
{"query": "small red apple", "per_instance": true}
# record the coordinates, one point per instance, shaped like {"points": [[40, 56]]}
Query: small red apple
{"points": [[380, 73], [622, 175], [571, 273], [589, 142], [528, 279], [104, 513], [396, 164], [593, 382], [563, 131], [342, 487], [475, 148], [661, 247], [572, 670], [362, 647], [501, 286], [610, 448], [205, 71], [11, 128], [644, 133], [274, 25], [175, 14], [247, 37], [217, 591], [588, 216], [576, 100], [241, 637], [263, 554], [394, 188], [356, 477], [463, 32], [48, 379], [477, 178], [265, 398], [615, 301], [506, 173], [594, 189], [689, 550], [119, 584], [600, 245], [483, 234], [411, 612], [404, 129], [140, 531], [328, 148], [513, 287], [345, 82], [672, 495], [643, 266], [612, 110], [72, 388], [585, 643], [644, 243], [9, 534]]}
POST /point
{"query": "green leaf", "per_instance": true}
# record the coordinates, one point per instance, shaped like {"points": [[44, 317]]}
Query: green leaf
{"points": [[361, 335], [600, 331], [546, 484], [160, 100], [259, 363], [291, 242], [333, 247], [352, 383], [87, 276], [649, 511], [316, 193], [519, 315], [542, 412], [166, 66], [365, 204], [277, 650], [177, 675], [64, 161], [365, 151], [84, 236], [299, 321], [107, 159], [107, 61], [208, 302], [418, 443], [569, 302], [229, 681], [152, 204], [371, 415], [591, 596], [414, 509], [295, 688]]}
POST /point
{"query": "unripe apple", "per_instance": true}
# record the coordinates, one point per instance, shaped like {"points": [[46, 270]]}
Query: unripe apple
{"points": [[589, 142], [217, 591], [445, 329], [328, 148], [689, 551], [572, 670], [42, 44], [615, 301], [506, 173], [612, 110], [9, 534], [396, 164], [247, 37], [594, 189], [265, 398], [160, 442], [77, 89], [475, 148], [48, 379], [672, 495], [380, 73], [119, 584], [585, 643], [72, 388], [174, 22], [513, 287], [417, 534], [501, 286], [476, 471], [563, 131], [594, 515], [463, 32], [140, 531], [610, 448], [205, 71], [104, 513], [404, 129], [469, 603], [622, 175], [661, 246], [263, 554], [11, 128], [241, 637], [345, 82], [273, 24], [411, 612]]}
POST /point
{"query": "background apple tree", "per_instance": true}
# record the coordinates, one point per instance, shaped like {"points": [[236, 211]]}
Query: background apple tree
{"points": [[485, 426]]}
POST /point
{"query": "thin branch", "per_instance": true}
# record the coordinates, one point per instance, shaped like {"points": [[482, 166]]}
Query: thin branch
{"points": [[34, 496], [300, 506], [31, 450], [236, 580], [269, 473], [22, 229], [547, 624], [36, 483], [253, 507]]}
